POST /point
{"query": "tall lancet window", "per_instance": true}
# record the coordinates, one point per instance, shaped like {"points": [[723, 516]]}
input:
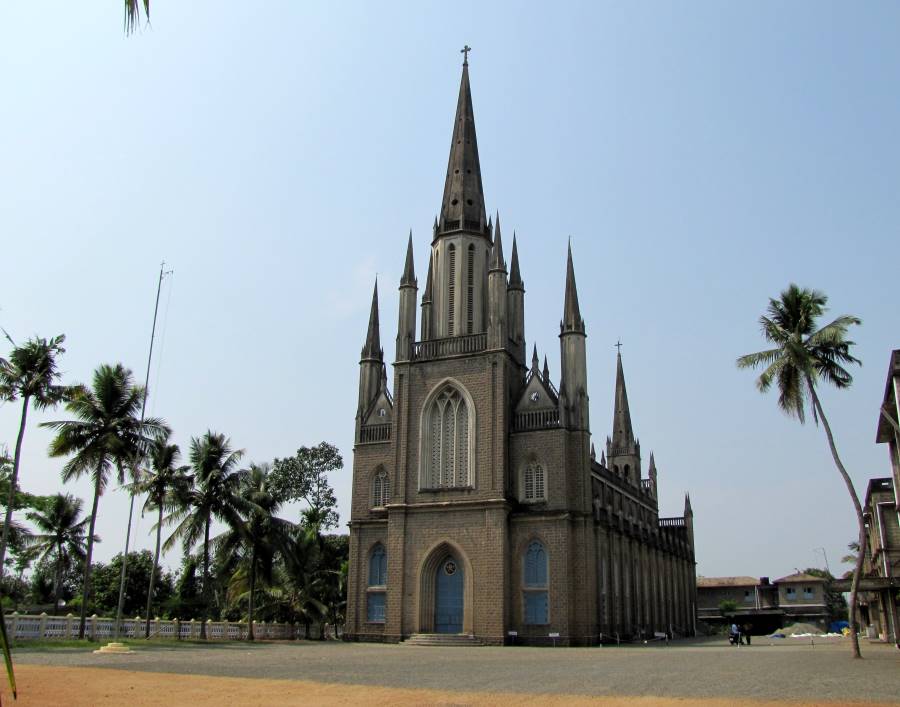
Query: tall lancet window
{"points": [[470, 290], [451, 289], [446, 429]]}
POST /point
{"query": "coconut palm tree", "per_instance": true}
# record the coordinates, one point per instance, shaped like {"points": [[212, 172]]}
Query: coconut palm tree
{"points": [[215, 494], [61, 535], [30, 374], [133, 14], [802, 356], [166, 485], [253, 545], [107, 433]]}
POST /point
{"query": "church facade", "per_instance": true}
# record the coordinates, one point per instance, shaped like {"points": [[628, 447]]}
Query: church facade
{"points": [[479, 507]]}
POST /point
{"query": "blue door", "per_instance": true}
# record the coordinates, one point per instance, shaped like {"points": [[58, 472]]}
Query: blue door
{"points": [[448, 601]]}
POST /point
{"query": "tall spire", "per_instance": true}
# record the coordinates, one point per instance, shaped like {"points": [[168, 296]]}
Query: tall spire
{"points": [[497, 262], [463, 204], [515, 278], [409, 273], [623, 434], [572, 320], [372, 347]]}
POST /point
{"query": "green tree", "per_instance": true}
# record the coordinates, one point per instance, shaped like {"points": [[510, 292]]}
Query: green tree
{"points": [[254, 543], [107, 433], [166, 485], [728, 606], [215, 494], [60, 538], [30, 374], [802, 356], [139, 567], [304, 477]]}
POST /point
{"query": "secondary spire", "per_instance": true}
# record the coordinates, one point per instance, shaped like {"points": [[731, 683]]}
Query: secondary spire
{"points": [[623, 434], [462, 207], [372, 347], [572, 320]]}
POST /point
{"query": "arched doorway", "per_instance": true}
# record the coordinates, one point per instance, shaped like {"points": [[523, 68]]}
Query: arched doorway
{"points": [[446, 591], [449, 602]]}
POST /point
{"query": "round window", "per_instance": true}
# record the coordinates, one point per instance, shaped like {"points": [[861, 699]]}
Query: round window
{"points": [[450, 567], [535, 396]]}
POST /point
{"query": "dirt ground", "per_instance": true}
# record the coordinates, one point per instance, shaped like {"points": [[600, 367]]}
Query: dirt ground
{"points": [[73, 687], [333, 673]]}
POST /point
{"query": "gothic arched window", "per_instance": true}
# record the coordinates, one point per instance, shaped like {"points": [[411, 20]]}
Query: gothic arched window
{"points": [[536, 585], [446, 430], [375, 596], [533, 484], [381, 489]]}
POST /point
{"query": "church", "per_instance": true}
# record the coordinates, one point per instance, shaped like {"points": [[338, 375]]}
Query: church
{"points": [[480, 513]]}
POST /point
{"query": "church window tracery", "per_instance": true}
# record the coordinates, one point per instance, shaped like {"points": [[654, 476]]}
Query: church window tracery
{"points": [[535, 583], [446, 450]]}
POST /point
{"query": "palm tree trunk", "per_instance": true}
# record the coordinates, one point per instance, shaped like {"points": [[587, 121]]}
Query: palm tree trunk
{"points": [[86, 582], [153, 569], [12, 485], [205, 612], [57, 594], [250, 636], [860, 521]]}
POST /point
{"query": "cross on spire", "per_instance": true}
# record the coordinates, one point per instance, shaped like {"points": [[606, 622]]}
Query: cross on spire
{"points": [[465, 52], [619, 346]]}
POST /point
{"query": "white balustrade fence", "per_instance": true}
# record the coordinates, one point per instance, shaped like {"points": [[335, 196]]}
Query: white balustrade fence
{"points": [[29, 626]]}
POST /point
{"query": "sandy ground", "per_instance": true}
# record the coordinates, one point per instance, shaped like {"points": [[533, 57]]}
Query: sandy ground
{"points": [[335, 673], [51, 686]]}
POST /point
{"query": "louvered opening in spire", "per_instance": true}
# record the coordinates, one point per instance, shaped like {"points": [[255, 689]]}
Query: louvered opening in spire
{"points": [[462, 207]]}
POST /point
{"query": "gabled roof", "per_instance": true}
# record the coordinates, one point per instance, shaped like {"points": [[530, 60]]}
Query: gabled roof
{"points": [[799, 577], [710, 582]]}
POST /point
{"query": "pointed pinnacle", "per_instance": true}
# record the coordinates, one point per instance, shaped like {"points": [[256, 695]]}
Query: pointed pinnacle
{"points": [[409, 274], [515, 278], [426, 297], [535, 363], [546, 370], [603, 457], [687, 505], [593, 451], [372, 347], [497, 262], [623, 434]]}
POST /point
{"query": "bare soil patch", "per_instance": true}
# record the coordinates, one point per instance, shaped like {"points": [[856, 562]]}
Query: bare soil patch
{"points": [[51, 686]]}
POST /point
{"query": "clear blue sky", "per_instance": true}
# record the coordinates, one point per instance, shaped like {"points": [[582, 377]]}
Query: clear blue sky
{"points": [[701, 156]]}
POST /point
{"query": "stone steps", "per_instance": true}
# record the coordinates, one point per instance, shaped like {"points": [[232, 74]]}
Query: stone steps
{"points": [[442, 639]]}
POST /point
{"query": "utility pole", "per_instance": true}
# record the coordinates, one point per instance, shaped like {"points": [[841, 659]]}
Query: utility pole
{"points": [[134, 469]]}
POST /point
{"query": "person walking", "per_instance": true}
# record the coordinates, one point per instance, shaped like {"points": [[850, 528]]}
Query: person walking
{"points": [[746, 630]]}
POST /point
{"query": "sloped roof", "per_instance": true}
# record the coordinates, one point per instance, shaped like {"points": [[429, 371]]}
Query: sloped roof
{"points": [[709, 582], [799, 577]]}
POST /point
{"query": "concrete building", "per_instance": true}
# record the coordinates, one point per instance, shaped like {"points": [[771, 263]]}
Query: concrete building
{"points": [[479, 508], [765, 605], [879, 586]]}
